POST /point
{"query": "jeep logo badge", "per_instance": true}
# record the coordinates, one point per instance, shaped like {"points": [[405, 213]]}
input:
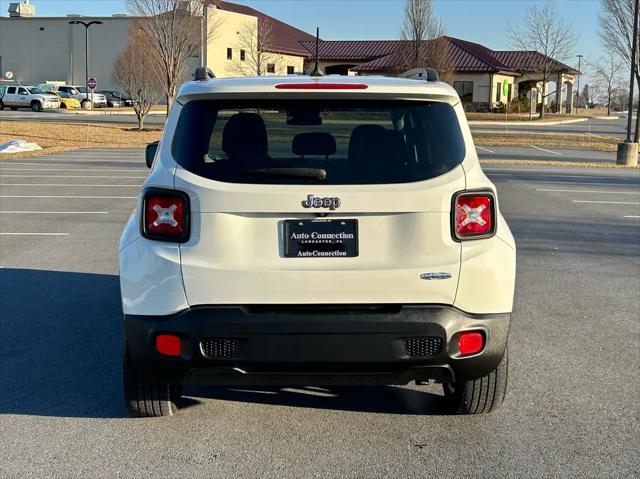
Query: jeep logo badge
{"points": [[329, 202]]}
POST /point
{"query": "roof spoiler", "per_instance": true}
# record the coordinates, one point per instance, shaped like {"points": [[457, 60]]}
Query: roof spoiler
{"points": [[203, 74], [428, 74]]}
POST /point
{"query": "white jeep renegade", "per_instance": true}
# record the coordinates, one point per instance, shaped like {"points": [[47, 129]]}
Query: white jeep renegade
{"points": [[316, 231]]}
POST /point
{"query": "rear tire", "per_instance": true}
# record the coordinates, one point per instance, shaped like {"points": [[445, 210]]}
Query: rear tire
{"points": [[145, 397], [36, 106], [481, 395]]}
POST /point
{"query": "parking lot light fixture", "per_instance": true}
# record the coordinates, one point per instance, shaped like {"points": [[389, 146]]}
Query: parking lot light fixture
{"points": [[86, 26]]}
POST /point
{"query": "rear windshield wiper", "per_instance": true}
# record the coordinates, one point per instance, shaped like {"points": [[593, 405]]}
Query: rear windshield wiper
{"points": [[317, 173]]}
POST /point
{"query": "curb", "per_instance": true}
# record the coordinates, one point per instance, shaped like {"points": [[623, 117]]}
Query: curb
{"points": [[527, 123], [109, 113]]}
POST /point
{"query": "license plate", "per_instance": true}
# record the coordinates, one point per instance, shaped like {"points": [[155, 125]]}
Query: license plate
{"points": [[321, 238]]}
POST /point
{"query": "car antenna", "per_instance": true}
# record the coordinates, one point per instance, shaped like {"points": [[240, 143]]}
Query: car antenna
{"points": [[316, 70]]}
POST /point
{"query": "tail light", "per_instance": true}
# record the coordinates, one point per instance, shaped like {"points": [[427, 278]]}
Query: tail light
{"points": [[470, 342], [474, 215], [165, 215]]}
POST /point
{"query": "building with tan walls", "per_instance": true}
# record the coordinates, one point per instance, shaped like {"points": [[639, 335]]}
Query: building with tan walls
{"points": [[39, 49]]}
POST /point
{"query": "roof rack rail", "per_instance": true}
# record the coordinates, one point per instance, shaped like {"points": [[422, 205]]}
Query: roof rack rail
{"points": [[203, 74], [428, 74]]}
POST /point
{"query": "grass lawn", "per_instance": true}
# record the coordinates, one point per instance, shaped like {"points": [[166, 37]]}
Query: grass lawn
{"points": [[54, 137], [559, 140]]}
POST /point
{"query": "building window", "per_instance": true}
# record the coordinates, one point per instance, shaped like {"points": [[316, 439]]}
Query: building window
{"points": [[465, 90], [243, 55], [509, 92], [290, 70], [229, 53], [498, 91], [271, 67]]}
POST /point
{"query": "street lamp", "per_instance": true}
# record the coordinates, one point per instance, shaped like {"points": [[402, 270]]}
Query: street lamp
{"points": [[579, 75], [86, 26]]}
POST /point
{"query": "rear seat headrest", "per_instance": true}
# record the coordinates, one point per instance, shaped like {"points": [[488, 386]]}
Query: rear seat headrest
{"points": [[245, 134], [313, 144]]}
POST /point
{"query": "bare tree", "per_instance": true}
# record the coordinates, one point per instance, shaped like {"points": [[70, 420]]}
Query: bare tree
{"points": [[616, 32], [255, 42], [131, 72], [606, 72], [175, 30], [544, 32], [423, 31]]}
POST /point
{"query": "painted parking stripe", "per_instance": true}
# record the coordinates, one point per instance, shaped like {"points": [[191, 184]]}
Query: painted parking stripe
{"points": [[72, 176], [137, 185], [34, 234], [83, 197], [608, 202], [631, 216], [53, 212], [591, 191], [64, 169], [484, 149], [576, 183], [546, 151]]}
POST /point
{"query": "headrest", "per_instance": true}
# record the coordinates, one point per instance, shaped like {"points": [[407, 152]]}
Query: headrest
{"points": [[313, 144], [245, 133], [364, 139]]}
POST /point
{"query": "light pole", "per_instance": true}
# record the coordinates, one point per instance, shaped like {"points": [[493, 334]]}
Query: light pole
{"points": [[579, 75], [627, 151], [86, 26]]}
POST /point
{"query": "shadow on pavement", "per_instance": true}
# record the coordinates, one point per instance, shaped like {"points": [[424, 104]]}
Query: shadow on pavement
{"points": [[61, 355]]}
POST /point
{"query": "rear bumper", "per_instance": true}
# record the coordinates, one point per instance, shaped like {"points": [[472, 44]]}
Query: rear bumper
{"points": [[316, 345]]}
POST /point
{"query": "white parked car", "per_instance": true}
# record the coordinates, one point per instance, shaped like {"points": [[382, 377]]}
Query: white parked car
{"points": [[18, 96], [80, 94], [316, 231]]}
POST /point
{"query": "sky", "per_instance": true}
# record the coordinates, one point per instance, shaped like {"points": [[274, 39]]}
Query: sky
{"points": [[481, 21]]}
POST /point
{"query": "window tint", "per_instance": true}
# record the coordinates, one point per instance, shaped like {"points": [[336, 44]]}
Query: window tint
{"points": [[22, 91], [354, 142], [290, 70], [271, 67], [229, 54], [11, 90], [243, 55]]}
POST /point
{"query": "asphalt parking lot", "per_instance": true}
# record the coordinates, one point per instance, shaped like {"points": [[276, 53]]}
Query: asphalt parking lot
{"points": [[572, 409]]}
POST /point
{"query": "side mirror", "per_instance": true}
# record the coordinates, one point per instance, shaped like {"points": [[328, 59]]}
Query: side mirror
{"points": [[150, 153]]}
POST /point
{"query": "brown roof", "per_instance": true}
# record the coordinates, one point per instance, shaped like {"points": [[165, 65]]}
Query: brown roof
{"points": [[358, 50], [530, 61], [464, 57], [379, 56], [285, 38]]}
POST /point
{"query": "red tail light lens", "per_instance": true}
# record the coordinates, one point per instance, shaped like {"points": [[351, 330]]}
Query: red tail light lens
{"points": [[470, 343], [165, 215], [321, 86], [473, 215], [168, 345]]}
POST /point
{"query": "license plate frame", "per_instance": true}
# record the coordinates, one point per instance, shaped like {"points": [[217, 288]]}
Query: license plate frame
{"points": [[300, 241]]}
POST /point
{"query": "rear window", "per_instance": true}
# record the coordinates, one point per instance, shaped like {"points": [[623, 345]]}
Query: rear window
{"points": [[318, 142]]}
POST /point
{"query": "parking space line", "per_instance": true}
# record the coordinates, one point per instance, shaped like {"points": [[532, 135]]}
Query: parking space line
{"points": [[591, 191], [34, 234], [576, 183], [485, 149], [63, 169], [71, 176], [608, 202], [53, 212], [83, 197], [546, 151], [137, 185]]}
